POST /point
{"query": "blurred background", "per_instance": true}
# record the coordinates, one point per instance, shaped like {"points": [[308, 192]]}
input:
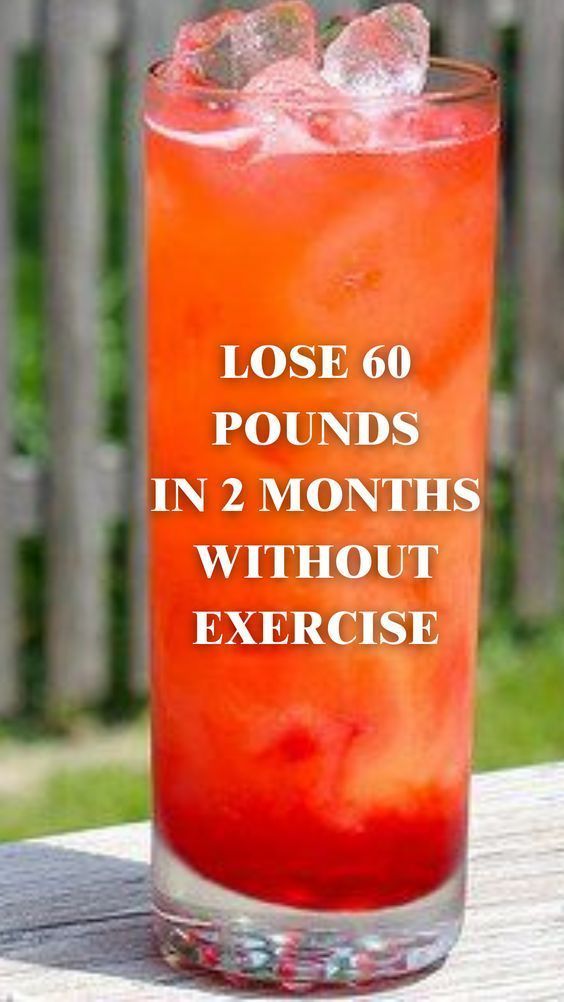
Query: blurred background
{"points": [[73, 729]]}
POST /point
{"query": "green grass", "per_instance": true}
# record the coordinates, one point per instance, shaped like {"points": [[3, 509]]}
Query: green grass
{"points": [[74, 799], [520, 696]]}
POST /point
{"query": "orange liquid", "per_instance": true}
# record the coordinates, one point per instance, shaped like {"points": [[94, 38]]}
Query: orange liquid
{"points": [[322, 776]]}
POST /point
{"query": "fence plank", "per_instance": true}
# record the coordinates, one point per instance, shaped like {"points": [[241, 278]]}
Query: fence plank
{"points": [[8, 661], [29, 489], [539, 244], [75, 87], [467, 29], [20, 22], [148, 31]]}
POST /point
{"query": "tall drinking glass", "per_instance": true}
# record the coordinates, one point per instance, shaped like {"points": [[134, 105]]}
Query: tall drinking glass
{"points": [[312, 680]]}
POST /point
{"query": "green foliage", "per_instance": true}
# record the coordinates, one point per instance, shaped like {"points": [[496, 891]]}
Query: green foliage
{"points": [[32, 639], [28, 403], [29, 372]]}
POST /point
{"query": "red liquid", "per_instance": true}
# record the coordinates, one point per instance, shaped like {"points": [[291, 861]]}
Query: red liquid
{"points": [[323, 777]]}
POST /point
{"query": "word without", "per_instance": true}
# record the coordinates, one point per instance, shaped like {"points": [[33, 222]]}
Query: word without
{"points": [[322, 560]]}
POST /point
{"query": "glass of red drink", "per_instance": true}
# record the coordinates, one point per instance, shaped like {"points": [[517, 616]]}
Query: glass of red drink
{"points": [[311, 788]]}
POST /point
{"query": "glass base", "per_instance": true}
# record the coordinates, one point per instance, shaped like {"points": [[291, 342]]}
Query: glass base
{"points": [[202, 926]]}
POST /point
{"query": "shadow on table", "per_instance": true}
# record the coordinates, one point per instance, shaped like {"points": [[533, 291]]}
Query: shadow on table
{"points": [[77, 911]]}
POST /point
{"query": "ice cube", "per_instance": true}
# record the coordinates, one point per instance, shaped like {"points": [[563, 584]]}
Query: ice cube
{"points": [[279, 31], [383, 54], [229, 49], [203, 51], [277, 101], [292, 81], [193, 37], [296, 105]]}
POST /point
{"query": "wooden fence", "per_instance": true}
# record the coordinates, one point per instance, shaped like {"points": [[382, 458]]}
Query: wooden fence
{"points": [[88, 483]]}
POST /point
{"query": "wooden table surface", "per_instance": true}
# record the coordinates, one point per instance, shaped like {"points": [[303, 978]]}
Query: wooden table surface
{"points": [[75, 927]]}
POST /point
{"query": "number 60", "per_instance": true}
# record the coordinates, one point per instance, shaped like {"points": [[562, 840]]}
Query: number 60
{"points": [[397, 363]]}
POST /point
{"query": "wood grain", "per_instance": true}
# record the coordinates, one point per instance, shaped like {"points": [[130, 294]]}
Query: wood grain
{"points": [[148, 30], [467, 29], [74, 923], [76, 33]]}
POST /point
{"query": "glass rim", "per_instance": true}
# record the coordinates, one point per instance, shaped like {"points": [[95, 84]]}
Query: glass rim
{"points": [[481, 81]]}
